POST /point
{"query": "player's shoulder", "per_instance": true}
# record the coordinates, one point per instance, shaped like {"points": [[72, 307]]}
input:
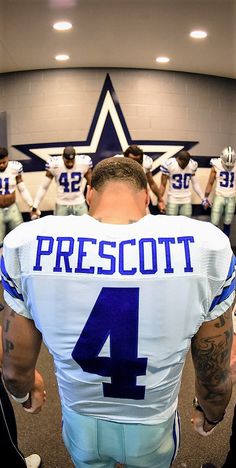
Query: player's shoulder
{"points": [[84, 159], [215, 162], [205, 234], [147, 162], [53, 162], [16, 166], [193, 164], [26, 231], [168, 164]]}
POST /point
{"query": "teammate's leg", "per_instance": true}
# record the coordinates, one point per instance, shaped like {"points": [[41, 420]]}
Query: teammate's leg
{"points": [[217, 209], [61, 210], [186, 209], [172, 209], [79, 210], [13, 216], [228, 214]]}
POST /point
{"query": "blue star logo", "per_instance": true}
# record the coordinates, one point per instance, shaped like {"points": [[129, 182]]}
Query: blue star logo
{"points": [[108, 135]]}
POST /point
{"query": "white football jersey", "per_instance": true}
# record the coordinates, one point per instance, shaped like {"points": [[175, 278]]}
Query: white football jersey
{"points": [[225, 180], [69, 181], [179, 180], [146, 164], [8, 177], [117, 305]]}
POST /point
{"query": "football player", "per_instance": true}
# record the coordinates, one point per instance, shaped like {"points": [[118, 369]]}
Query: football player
{"points": [[70, 171], [180, 171], [223, 173], [11, 178], [125, 295], [136, 153]]}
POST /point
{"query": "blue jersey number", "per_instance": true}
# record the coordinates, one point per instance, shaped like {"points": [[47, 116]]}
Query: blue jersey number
{"points": [[70, 185], [114, 315], [4, 186], [227, 179], [181, 181]]}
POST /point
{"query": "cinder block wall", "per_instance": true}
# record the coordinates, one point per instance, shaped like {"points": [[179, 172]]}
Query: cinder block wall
{"points": [[58, 105]]}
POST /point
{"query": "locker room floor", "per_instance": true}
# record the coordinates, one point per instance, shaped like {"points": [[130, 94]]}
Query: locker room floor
{"points": [[42, 433]]}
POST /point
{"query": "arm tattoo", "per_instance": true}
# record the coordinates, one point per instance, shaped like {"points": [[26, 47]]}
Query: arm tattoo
{"points": [[8, 344], [211, 357]]}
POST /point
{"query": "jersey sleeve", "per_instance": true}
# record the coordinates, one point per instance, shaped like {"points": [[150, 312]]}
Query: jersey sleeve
{"points": [[221, 281], [51, 164], [165, 167], [17, 167], [213, 162], [147, 162], [85, 159], [194, 166], [11, 274]]}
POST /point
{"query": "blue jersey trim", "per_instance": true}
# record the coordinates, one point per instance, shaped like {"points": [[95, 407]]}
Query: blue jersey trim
{"points": [[6, 279], [232, 267], [226, 292]]}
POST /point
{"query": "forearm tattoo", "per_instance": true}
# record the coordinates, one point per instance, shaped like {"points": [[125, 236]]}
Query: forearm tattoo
{"points": [[211, 358], [8, 345]]}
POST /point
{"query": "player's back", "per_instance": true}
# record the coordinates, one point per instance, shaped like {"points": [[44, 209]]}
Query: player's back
{"points": [[118, 305]]}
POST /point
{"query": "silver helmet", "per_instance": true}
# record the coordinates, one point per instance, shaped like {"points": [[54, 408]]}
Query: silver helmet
{"points": [[228, 157]]}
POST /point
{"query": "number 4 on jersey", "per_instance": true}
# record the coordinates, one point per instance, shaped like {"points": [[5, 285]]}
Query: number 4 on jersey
{"points": [[114, 315]]}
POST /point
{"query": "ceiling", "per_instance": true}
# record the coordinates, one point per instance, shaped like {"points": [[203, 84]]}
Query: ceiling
{"points": [[119, 33]]}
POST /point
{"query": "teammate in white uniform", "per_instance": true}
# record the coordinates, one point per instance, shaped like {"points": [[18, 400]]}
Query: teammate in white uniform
{"points": [[223, 172], [125, 294], [181, 173], [69, 171], [136, 153], [10, 178]]}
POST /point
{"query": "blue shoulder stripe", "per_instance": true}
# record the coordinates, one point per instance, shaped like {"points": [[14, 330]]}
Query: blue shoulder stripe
{"points": [[6, 280], [226, 292], [232, 267], [11, 290]]}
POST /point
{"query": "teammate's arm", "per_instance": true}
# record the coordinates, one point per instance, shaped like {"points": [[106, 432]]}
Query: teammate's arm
{"points": [[162, 188], [42, 190], [24, 191], [210, 182], [156, 191], [21, 347], [211, 347], [196, 187]]}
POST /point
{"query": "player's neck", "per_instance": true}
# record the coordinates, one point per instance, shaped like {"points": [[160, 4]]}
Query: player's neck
{"points": [[122, 209]]}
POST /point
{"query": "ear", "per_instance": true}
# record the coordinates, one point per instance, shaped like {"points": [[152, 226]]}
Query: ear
{"points": [[89, 194], [147, 198]]}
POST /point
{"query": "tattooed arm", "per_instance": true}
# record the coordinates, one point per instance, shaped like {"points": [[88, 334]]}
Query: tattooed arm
{"points": [[211, 348], [21, 346]]}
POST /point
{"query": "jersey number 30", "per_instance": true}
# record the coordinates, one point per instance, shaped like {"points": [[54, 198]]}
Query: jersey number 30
{"points": [[114, 315]]}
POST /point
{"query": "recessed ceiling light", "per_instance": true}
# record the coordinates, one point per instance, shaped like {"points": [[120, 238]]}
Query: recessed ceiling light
{"points": [[198, 34], [62, 57], [162, 59], [62, 25]]}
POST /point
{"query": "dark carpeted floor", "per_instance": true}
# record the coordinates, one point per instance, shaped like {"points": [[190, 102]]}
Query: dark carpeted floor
{"points": [[42, 433]]}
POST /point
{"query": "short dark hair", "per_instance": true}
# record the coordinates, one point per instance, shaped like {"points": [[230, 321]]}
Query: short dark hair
{"points": [[133, 149], [118, 169], [69, 152], [3, 152], [183, 155]]}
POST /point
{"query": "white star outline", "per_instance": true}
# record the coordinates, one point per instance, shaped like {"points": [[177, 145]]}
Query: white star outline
{"points": [[108, 107]]}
